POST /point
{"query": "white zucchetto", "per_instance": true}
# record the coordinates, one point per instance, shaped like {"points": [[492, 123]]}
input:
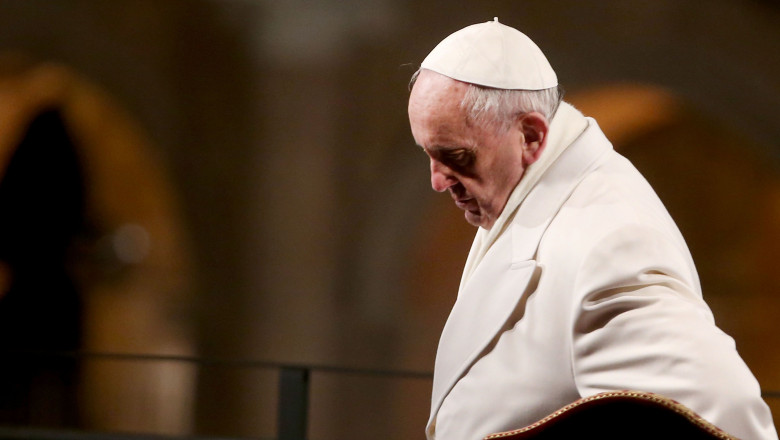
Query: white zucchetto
{"points": [[494, 55]]}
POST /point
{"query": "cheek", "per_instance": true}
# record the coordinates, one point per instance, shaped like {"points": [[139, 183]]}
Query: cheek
{"points": [[499, 183], [508, 169]]}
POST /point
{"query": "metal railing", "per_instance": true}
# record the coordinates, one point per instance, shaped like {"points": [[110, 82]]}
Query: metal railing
{"points": [[292, 400], [293, 395]]}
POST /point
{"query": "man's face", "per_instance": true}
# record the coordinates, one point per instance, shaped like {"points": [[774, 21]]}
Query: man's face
{"points": [[477, 164]]}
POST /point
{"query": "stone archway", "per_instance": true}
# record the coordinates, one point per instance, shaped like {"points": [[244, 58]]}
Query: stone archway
{"points": [[128, 260]]}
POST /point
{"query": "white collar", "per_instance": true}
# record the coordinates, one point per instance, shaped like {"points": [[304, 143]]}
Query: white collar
{"points": [[567, 124]]}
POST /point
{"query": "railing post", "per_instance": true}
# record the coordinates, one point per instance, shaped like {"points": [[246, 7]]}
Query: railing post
{"points": [[293, 403]]}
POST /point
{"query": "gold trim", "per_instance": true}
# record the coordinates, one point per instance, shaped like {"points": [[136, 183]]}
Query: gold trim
{"points": [[639, 395]]}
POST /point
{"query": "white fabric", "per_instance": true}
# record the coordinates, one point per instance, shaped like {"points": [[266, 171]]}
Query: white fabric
{"points": [[589, 287], [492, 55], [567, 124]]}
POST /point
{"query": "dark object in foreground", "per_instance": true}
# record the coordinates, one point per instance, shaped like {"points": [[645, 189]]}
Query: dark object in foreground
{"points": [[619, 415]]}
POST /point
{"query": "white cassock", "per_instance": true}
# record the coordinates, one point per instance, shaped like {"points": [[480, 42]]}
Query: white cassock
{"points": [[583, 285]]}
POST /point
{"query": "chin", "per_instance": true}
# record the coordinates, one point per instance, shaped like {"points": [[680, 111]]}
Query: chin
{"points": [[476, 219]]}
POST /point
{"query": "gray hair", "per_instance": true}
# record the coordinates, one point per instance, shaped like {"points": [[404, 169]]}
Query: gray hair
{"points": [[500, 107]]}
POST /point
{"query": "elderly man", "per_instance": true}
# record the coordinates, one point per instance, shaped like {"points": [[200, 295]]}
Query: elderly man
{"points": [[578, 281]]}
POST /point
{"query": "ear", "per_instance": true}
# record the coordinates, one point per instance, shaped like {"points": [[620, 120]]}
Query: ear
{"points": [[535, 128]]}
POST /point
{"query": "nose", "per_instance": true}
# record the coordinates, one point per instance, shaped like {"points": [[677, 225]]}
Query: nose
{"points": [[441, 176]]}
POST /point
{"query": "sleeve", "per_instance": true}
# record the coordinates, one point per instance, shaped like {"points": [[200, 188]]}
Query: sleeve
{"points": [[641, 324]]}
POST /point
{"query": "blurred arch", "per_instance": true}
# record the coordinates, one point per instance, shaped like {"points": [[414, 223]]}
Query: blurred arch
{"points": [[130, 260]]}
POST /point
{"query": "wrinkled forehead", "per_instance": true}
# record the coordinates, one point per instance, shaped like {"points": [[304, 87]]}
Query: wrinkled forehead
{"points": [[434, 93], [436, 116]]}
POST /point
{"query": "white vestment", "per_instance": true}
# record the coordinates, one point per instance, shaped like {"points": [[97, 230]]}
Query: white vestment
{"points": [[584, 284]]}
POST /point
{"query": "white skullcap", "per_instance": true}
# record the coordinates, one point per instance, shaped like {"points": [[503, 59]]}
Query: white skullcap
{"points": [[493, 55]]}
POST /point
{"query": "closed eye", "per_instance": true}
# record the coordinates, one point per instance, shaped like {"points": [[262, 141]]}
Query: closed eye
{"points": [[460, 160]]}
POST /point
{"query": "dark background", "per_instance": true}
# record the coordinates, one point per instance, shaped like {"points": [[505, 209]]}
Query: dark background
{"points": [[254, 157]]}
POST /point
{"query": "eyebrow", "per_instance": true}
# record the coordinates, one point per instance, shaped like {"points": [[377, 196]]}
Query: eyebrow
{"points": [[440, 148]]}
